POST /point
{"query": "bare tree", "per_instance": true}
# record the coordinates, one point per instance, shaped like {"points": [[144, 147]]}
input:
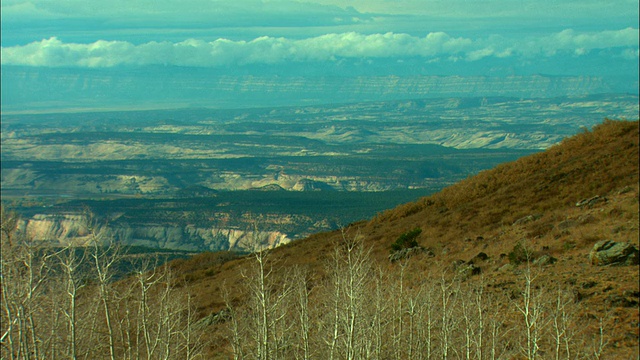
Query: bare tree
{"points": [[64, 303], [261, 295], [425, 326], [531, 307], [473, 309], [398, 311], [379, 308], [71, 260], [192, 339], [147, 276], [268, 300], [353, 261], [236, 327], [449, 290], [600, 340], [302, 291], [562, 320], [104, 260], [23, 271], [495, 327]]}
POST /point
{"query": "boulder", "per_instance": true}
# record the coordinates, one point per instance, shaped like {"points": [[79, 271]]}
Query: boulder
{"points": [[409, 252], [607, 252], [526, 219], [219, 317], [566, 224], [590, 202], [481, 257], [545, 260], [467, 270], [506, 268]]}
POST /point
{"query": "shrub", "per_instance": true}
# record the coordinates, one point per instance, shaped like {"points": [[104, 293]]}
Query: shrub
{"points": [[519, 254], [406, 240]]}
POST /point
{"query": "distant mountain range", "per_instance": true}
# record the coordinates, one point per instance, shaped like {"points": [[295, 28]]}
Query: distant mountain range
{"points": [[47, 89]]}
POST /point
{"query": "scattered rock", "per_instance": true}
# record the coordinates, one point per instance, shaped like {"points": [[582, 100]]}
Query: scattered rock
{"points": [[621, 301], [467, 270], [456, 264], [618, 229], [591, 201], [214, 318], [504, 284], [506, 267], [625, 190], [580, 296], [586, 219], [526, 219], [563, 225], [409, 252], [607, 252], [480, 257], [545, 260]]}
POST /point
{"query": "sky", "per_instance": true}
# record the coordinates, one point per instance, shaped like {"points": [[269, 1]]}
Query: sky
{"points": [[440, 37]]}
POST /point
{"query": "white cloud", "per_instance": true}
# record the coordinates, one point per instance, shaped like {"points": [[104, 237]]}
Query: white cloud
{"points": [[570, 40], [272, 50], [630, 54]]}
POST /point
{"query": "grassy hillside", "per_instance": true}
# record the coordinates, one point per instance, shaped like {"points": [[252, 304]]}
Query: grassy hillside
{"points": [[531, 202], [495, 266]]}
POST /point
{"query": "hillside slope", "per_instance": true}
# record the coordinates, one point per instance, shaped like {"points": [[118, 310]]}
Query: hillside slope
{"points": [[531, 203]]}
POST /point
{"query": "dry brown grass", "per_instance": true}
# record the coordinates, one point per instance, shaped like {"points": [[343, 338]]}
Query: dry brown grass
{"points": [[478, 215]]}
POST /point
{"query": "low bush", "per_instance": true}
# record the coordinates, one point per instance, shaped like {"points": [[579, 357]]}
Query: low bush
{"points": [[406, 240], [519, 254]]}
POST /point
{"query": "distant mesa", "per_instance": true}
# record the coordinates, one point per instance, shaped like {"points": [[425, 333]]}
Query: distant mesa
{"points": [[270, 187], [196, 191], [311, 185]]}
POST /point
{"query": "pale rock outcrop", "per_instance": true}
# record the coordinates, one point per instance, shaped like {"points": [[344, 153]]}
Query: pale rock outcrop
{"points": [[607, 252], [72, 229]]}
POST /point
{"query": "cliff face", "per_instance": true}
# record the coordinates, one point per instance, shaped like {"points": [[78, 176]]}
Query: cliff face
{"points": [[61, 229], [197, 238], [73, 229]]}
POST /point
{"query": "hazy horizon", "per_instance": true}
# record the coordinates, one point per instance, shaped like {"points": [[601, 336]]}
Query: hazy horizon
{"points": [[102, 54]]}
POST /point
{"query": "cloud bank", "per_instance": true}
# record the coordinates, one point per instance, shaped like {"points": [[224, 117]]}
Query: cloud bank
{"points": [[53, 52]]}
